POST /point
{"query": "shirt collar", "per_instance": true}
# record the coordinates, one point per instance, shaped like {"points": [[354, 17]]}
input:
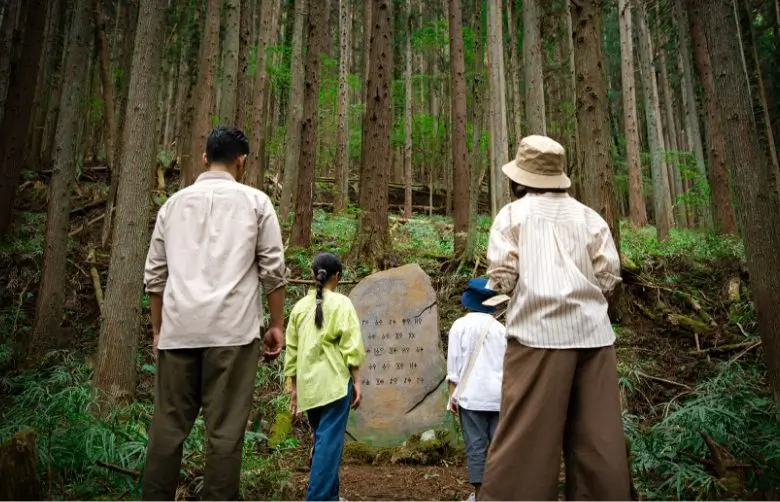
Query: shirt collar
{"points": [[215, 175]]}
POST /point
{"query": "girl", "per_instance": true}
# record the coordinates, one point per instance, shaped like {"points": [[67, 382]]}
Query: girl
{"points": [[324, 352]]}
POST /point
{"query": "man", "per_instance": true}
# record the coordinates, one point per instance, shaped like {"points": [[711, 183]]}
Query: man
{"points": [[214, 243], [557, 261], [475, 358]]}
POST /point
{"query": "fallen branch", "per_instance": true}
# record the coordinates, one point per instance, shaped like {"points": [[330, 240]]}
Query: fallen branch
{"points": [[689, 323], [98, 289], [119, 469], [87, 207], [739, 356], [727, 348], [87, 224], [662, 380]]}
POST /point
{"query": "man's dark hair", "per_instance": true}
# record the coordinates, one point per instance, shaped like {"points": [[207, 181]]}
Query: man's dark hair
{"points": [[519, 191], [226, 144]]}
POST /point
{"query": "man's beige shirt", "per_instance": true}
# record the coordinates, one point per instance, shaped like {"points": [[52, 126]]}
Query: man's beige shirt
{"points": [[214, 244], [556, 259]]}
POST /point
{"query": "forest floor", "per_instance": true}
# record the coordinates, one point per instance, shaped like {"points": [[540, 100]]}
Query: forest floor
{"points": [[696, 408]]}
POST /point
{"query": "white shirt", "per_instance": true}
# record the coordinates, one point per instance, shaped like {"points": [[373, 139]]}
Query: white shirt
{"points": [[214, 243], [483, 387], [556, 258]]}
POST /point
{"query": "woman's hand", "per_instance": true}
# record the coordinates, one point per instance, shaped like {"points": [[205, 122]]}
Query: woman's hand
{"points": [[357, 394], [294, 401]]}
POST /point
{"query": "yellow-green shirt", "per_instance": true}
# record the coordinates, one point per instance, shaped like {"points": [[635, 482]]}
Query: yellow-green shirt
{"points": [[320, 359]]}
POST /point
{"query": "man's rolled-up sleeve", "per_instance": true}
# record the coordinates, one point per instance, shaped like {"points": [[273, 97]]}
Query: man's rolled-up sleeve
{"points": [[156, 268], [502, 255], [270, 250]]}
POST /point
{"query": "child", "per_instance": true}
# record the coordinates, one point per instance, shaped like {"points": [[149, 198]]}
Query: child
{"points": [[324, 351], [475, 357]]}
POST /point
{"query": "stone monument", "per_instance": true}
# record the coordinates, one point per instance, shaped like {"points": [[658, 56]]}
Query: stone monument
{"points": [[403, 375]]}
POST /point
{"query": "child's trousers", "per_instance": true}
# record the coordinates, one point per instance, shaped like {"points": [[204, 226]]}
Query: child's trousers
{"points": [[330, 425], [478, 430]]}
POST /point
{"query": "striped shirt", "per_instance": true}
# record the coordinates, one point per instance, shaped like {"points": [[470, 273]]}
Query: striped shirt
{"points": [[556, 259]]}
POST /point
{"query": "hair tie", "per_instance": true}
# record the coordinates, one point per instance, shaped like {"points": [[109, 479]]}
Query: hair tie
{"points": [[319, 301]]}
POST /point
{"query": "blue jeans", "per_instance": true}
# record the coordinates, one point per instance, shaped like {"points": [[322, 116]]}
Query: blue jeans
{"points": [[478, 430], [330, 425]]}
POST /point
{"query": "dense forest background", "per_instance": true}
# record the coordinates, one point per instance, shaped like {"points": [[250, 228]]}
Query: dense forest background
{"points": [[379, 127]]}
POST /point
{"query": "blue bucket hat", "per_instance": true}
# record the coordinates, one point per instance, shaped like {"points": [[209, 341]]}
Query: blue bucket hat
{"points": [[476, 293]]}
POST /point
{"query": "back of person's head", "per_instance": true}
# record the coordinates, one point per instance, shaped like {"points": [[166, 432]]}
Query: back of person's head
{"points": [[225, 145], [324, 266], [520, 191]]}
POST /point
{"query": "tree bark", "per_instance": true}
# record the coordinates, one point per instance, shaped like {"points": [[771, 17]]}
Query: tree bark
{"points": [[661, 188], [514, 73], [372, 238], [756, 81], [593, 114], [294, 114], [408, 115], [115, 372], [205, 94], [692, 127], [11, 33], [460, 166], [255, 173], [533, 62], [18, 105], [109, 98], [244, 84], [636, 195], [720, 184], [318, 47], [751, 169], [50, 302], [476, 161], [674, 165], [231, 48], [499, 154], [342, 148]]}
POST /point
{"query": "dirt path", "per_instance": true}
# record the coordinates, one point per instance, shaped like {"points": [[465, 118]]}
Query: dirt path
{"points": [[395, 482]]}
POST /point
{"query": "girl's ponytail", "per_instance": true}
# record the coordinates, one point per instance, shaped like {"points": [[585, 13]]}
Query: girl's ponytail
{"points": [[322, 278], [324, 267]]}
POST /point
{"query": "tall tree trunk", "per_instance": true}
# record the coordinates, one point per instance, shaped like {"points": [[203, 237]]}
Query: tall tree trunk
{"points": [[692, 127], [318, 47], [751, 169], [294, 114], [661, 189], [50, 303], [636, 194], [12, 30], [227, 105], [115, 373], [255, 173], [534, 68], [342, 148], [408, 115], [205, 93], [593, 114], [720, 184], [674, 164], [109, 98], [756, 81], [476, 161], [18, 105], [460, 165], [499, 154], [514, 73], [244, 84], [372, 237]]}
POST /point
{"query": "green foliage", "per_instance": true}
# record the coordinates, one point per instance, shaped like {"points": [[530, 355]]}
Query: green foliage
{"points": [[734, 409], [695, 245], [25, 238]]}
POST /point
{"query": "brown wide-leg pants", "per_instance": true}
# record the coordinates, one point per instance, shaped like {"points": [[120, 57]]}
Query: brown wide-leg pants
{"points": [[557, 401], [221, 380]]}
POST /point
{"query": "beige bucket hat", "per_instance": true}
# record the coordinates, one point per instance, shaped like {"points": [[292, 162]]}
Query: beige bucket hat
{"points": [[539, 164]]}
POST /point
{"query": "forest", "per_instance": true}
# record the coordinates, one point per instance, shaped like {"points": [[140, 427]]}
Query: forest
{"points": [[379, 128]]}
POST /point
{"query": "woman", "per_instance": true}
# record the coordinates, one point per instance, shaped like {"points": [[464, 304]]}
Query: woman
{"points": [[323, 357]]}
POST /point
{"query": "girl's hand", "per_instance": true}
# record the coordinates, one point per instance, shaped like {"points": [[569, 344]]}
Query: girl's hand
{"points": [[357, 394]]}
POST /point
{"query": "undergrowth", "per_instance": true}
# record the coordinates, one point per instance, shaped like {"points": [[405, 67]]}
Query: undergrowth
{"points": [[735, 409]]}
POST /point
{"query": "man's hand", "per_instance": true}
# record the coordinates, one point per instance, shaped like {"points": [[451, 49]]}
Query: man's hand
{"points": [[294, 401], [155, 343], [454, 409], [357, 395], [273, 343]]}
